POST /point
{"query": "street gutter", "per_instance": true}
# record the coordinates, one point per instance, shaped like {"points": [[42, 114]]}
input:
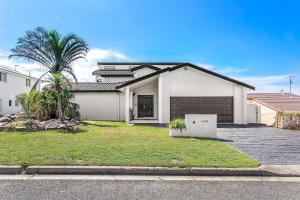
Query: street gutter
{"points": [[264, 170]]}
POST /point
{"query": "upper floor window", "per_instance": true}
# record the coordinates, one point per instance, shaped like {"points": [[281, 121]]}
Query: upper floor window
{"points": [[10, 103], [110, 67], [3, 76], [28, 82]]}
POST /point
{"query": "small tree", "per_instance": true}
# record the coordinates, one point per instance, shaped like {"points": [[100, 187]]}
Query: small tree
{"points": [[28, 102], [55, 52]]}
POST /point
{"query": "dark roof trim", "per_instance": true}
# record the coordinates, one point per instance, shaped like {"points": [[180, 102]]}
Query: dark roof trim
{"points": [[212, 73], [139, 63], [144, 66], [104, 91], [116, 75], [189, 65], [142, 78]]}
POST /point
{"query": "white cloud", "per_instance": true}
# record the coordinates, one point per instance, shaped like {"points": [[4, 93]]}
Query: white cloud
{"points": [[275, 83], [103, 54], [82, 68], [270, 83]]}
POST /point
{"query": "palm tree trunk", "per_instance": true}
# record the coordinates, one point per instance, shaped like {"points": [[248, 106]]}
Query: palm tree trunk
{"points": [[59, 107]]}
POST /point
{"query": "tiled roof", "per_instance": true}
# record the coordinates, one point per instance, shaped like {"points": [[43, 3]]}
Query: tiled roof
{"points": [[283, 102], [113, 72], [93, 87]]}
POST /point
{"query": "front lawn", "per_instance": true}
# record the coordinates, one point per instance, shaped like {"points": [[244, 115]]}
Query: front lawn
{"points": [[115, 143]]}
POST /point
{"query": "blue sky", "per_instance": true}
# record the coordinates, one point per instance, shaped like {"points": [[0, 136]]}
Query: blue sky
{"points": [[254, 41]]}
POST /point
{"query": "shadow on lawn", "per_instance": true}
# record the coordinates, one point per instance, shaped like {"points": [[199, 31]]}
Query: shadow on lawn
{"points": [[76, 131], [99, 125], [204, 138]]}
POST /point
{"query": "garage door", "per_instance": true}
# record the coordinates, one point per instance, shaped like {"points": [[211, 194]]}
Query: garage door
{"points": [[222, 106]]}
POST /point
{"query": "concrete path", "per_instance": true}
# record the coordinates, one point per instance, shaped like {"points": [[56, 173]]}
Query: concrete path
{"points": [[38, 187], [272, 146]]}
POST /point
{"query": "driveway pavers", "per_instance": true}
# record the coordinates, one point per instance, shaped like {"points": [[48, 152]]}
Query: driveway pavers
{"points": [[267, 144]]}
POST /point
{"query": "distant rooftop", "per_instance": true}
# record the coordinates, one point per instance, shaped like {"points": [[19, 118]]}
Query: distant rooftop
{"points": [[284, 102], [105, 72], [9, 70]]}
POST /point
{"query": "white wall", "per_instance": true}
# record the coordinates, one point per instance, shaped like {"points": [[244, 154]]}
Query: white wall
{"points": [[143, 72], [148, 89], [194, 83], [268, 116], [113, 79], [16, 84], [101, 105]]}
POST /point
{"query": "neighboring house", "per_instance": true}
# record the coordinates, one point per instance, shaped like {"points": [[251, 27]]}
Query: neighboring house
{"points": [[274, 106], [160, 92], [12, 83]]}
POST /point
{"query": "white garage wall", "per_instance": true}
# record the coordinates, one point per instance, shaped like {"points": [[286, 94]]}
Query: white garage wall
{"points": [[101, 105], [194, 83]]}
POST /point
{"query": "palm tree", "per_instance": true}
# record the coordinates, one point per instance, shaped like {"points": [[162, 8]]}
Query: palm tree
{"points": [[28, 102], [55, 53]]}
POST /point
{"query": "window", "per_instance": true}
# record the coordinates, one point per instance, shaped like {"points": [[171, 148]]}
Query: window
{"points": [[3, 76], [109, 67], [10, 103], [28, 82]]}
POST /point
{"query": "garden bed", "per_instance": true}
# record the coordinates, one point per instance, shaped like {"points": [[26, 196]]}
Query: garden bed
{"points": [[10, 123]]}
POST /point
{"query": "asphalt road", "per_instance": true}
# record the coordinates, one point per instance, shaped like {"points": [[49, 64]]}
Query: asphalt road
{"points": [[146, 187]]}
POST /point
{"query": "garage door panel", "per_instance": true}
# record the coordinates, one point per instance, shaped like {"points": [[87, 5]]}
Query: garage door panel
{"points": [[222, 106]]}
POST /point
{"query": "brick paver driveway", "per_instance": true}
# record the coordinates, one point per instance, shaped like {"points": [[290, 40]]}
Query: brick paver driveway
{"points": [[266, 144]]}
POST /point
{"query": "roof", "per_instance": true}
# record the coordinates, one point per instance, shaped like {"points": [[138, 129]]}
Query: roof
{"points": [[145, 66], [93, 87], [183, 65], [139, 63], [104, 72], [6, 69], [282, 102]]}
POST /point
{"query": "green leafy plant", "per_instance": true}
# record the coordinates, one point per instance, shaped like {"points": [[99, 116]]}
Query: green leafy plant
{"points": [[177, 124], [28, 102], [22, 123]]}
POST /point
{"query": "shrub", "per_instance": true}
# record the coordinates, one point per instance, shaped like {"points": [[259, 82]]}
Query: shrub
{"points": [[22, 123], [177, 124], [291, 121]]}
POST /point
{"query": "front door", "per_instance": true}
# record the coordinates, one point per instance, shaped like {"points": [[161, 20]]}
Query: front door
{"points": [[145, 106]]}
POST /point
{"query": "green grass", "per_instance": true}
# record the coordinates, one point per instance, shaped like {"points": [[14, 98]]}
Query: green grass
{"points": [[115, 143]]}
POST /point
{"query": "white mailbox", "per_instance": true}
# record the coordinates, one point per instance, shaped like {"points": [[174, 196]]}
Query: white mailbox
{"points": [[198, 125], [201, 125]]}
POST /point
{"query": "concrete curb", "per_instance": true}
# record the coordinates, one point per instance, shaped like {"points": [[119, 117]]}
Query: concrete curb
{"points": [[264, 170], [11, 169], [115, 170]]}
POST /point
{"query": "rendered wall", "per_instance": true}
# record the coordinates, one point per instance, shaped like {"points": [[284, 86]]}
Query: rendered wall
{"points": [[101, 105], [16, 84], [194, 83]]}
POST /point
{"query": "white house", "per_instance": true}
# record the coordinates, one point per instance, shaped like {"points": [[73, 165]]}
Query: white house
{"points": [[159, 92], [12, 83]]}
